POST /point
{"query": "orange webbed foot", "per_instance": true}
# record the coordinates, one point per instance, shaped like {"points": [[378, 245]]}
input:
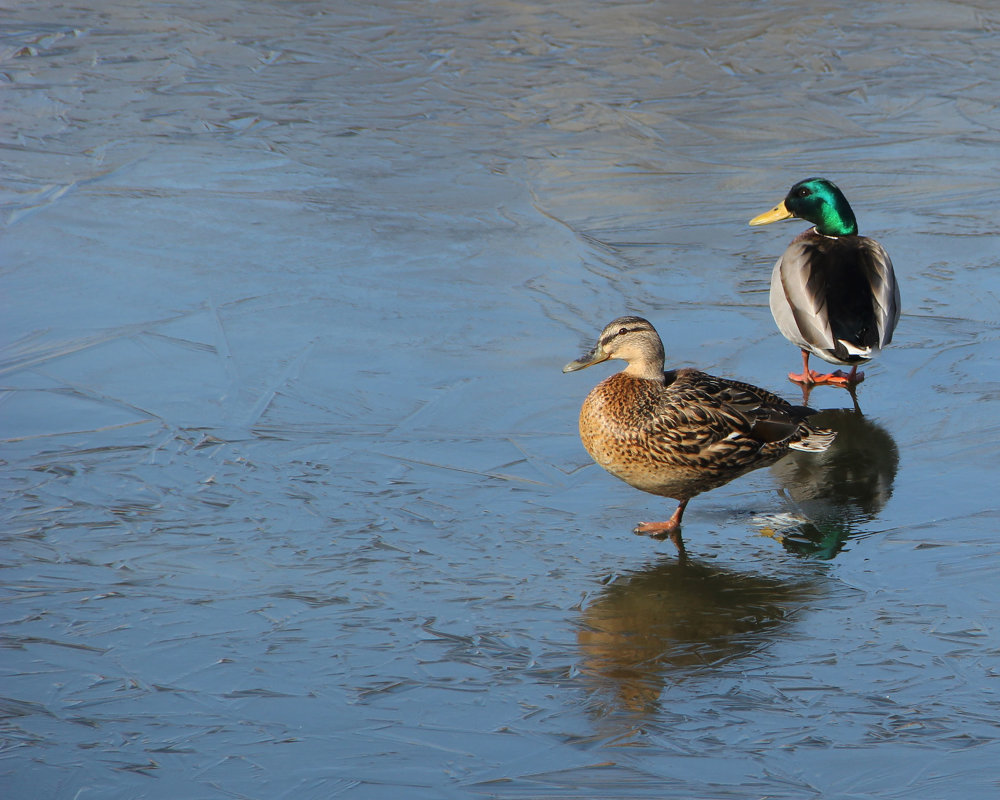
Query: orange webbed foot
{"points": [[838, 378]]}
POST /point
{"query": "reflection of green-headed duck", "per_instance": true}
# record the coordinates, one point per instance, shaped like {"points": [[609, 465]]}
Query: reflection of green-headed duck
{"points": [[837, 493], [833, 292], [680, 433]]}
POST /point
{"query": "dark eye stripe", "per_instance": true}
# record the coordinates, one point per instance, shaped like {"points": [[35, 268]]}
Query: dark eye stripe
{"points": [[619, 332]]}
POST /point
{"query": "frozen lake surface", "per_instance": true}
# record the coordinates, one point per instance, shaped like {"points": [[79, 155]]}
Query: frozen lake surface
{"points": [[294, 504]]}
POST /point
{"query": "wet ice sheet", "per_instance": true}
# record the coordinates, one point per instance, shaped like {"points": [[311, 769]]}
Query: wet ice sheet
{"points": [[293, 500]]}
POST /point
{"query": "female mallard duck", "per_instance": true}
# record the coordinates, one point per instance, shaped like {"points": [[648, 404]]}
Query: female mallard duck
{"points": [[682, 432], [833, 293]]}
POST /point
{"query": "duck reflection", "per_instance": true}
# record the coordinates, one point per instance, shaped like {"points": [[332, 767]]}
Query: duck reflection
{"points": [[672, 618], [837, 492]]}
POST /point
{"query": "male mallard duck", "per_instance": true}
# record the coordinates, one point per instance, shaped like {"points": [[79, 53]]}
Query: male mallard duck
{"points": [[682, 432], [833, 293]]}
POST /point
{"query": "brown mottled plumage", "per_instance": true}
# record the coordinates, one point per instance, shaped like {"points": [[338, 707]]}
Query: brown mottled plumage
{"points": [[682, 432]]}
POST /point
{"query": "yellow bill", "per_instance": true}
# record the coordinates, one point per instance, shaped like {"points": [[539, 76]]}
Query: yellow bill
{"points": [[779, 212]]}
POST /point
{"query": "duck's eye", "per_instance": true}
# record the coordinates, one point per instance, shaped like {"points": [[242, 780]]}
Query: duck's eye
{"points": [[802, 192], [622, 331]]}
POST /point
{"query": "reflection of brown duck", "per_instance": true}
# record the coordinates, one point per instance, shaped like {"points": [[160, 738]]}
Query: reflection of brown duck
{"points": [[838, 490], [671, 620], [680, 433]]}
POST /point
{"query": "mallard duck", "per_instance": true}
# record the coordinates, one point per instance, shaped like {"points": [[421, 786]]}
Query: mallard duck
{"points": [[833, 292], [682, 432]]}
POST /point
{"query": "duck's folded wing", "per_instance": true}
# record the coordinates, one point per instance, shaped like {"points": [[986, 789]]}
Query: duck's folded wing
{"points": [[700, 436], [745, 415], [804, 279], [885, 290], [705, 410], [745, 398]]}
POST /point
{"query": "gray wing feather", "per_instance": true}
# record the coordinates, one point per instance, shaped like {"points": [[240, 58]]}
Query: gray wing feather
{"points": [[885, 291], [799, 311]]}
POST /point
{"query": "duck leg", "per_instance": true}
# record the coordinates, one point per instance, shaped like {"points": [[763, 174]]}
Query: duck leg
{"points": [[663, 530], [810, 377]]}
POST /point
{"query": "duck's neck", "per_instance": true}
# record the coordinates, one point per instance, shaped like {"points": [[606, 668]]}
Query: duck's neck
{"points": [[647, 370], [836, 218], [837, 227]]}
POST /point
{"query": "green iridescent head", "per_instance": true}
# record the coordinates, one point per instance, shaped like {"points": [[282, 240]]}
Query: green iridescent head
{"points": [[818, 201]]}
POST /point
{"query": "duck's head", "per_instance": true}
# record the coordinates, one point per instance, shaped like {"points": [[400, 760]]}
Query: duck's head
{"points": [[632, 339], [818, 201]]}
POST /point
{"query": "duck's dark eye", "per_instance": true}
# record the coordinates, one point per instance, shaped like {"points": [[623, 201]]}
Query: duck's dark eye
{"points": [[802, 192], [623, 331]]}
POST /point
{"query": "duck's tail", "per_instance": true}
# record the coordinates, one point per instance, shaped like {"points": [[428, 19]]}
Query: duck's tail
{"points": [[813, 440]]}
